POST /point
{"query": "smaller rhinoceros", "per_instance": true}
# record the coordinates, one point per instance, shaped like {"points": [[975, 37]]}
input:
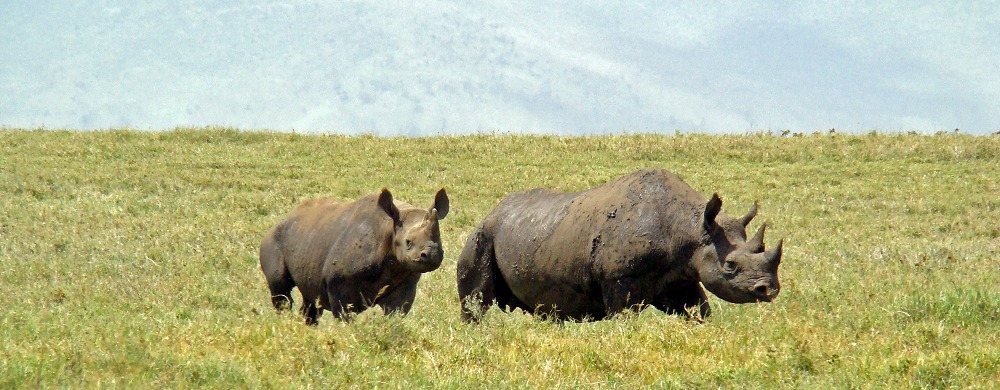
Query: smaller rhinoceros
{"points": [[352, 256]]}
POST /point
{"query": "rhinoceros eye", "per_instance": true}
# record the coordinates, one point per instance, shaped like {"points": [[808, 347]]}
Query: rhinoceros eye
{"points": [[729, 266], [409, 244]]}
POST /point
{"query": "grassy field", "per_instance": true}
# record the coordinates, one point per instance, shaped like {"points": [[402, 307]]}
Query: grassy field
{"points": [[128, 259]]}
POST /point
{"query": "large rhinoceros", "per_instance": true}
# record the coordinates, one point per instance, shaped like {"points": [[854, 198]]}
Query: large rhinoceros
{"points": [[646, 238], [351, 256]]}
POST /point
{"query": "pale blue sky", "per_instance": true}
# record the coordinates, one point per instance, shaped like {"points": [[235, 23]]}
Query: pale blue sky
{"points": [[565, 67]]}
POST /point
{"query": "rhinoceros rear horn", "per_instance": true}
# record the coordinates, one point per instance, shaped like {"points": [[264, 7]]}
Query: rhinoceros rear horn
{"points": [[712, 210], [385, 203], [745, 220], [756, 244], [441, 203]]}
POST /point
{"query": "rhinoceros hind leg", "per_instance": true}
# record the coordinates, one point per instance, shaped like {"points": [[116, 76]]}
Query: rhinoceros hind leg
{"points": [[476, 276], [282, 300], [504, 297], [279, 281]]}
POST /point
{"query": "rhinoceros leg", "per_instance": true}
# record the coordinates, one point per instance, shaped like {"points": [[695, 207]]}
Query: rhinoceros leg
{"points": [[679, 300], [279, 280], [281, 294], [338, 309], [400, 299], [310, 311], [505, 298], [620, 295], [332, 300], [475, 269]]}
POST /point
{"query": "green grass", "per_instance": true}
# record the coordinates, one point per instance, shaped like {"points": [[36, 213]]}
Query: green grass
{"points": [[128, 259]]}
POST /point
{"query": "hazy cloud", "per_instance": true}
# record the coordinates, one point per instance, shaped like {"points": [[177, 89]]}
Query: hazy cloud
{"points": [[434, 67]]}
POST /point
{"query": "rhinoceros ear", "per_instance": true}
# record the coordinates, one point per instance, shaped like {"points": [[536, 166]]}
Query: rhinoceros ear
{"points": [[745, 220], [385, 203], [441, 203], [712, 210]]}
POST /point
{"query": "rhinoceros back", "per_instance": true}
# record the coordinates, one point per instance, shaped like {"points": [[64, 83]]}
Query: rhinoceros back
{"points": [[321, 231], [524, 220]]}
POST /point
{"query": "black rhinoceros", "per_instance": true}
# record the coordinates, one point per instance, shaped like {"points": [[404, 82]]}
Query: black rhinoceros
{"points": [[351, 256], [644, 239]]}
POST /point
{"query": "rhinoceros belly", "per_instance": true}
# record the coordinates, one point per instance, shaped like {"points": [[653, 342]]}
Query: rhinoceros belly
{"points": [[539, 274], [568, 295]]}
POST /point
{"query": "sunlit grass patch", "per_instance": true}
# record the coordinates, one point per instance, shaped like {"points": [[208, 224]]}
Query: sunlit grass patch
{"points": [[129, 259]]}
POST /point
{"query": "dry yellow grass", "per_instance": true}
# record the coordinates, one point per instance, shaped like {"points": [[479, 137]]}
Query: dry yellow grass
{"points": [[129, 259]]}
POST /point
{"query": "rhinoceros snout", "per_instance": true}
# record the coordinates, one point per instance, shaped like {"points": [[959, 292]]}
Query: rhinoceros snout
{"points": [[766, 291], [430, 253]]}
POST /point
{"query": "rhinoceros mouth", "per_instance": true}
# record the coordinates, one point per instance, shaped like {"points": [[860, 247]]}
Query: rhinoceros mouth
{"points": [[428, 262]]}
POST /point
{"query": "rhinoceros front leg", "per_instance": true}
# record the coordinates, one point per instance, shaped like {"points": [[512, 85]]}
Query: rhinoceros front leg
{"points": [[310, 311], [339, 309], [400, 299], [335, 300], [620, 295], [682, 299]]}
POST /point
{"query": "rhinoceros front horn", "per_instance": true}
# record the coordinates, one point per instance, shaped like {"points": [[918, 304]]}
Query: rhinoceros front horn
{"points": [[773, 256], [756, 244]]}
